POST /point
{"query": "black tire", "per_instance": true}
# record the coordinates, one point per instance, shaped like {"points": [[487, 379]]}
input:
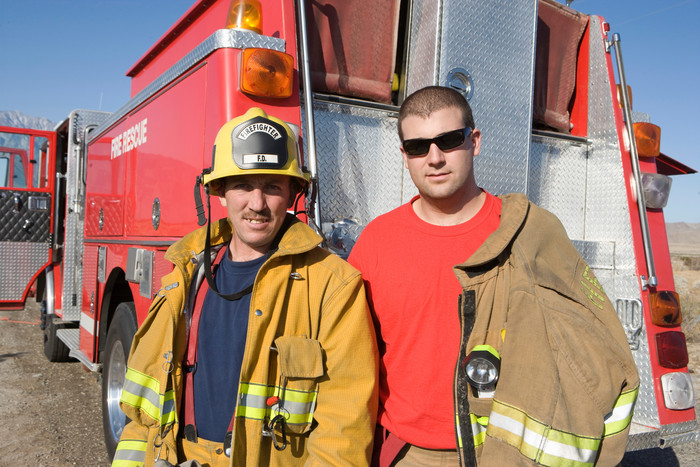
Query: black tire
{"points": [[54, 348], [121, 333]]}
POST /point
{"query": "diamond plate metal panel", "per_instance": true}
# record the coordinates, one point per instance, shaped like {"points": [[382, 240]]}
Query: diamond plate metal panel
{"points": [[606, 196], [641, 438], [495, 44], [557, 180], [75, 210], [424, 44], [25, 225], [607, 214], [598, 255], [678, 439], [26, 259], [108, 219], [685, 429], [360, 167]]}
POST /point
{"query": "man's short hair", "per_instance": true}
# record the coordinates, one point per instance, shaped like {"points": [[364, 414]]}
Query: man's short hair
{"points": [[424, 102]]}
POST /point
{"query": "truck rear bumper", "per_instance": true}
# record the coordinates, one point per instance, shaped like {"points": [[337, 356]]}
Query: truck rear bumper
{"points": [[644, 437]]}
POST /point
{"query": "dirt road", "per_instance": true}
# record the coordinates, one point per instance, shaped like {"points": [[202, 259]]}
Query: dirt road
{"points": [[50, 413]]}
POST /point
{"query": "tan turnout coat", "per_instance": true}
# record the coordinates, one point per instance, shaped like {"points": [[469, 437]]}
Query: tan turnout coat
{"points": [[310, 307]]}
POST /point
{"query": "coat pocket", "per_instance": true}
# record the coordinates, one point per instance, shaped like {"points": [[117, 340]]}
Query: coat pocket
{"points": [[300, 364]]}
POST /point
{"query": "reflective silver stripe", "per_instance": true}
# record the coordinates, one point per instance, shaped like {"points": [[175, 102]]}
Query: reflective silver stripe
{"points": [[294, 408], [142, 392], [621, 416], [534, 442], [168, 408], [539, 441], [479, 425], [459, 431], [297, 406], [143, 397]]}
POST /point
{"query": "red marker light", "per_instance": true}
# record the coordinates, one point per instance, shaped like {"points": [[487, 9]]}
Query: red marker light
{"points": [[671, 349]]}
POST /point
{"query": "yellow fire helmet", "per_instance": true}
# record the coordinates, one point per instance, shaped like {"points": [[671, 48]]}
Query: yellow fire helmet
{"points": [[254, 143]]}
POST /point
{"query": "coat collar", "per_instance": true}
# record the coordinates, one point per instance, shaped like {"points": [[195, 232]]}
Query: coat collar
{"points": [[298, 238], [514, 210]]}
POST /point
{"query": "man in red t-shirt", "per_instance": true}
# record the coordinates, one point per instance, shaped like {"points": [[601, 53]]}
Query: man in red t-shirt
{"points": [[406, 258], [498, 345]]}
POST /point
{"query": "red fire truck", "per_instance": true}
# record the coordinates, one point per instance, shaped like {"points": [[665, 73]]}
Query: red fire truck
{"points": [[89, 209]]}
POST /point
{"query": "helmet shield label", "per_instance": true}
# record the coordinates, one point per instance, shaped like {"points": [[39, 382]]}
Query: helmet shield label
{"points": [[259, 143]]}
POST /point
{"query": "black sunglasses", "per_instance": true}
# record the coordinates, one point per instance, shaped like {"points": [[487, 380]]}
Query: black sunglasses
{"points": [[446, 141]]}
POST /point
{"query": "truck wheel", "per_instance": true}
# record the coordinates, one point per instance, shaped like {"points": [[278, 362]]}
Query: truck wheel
{"points": [[54, 348], [121, 333]]}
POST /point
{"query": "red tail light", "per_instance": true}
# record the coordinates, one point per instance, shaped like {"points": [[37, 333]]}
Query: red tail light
{"points": [[671, 349]]}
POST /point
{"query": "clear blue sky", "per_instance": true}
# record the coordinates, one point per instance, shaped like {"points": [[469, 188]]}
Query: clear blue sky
{"points": [[60, 55]]}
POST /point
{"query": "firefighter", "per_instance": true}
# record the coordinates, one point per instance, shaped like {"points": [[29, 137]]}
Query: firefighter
{"points": [[498, 345], [269, 360]]}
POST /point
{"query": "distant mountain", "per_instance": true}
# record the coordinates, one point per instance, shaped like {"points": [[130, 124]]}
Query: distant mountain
{"points": [[683, 238], [17, 119]]}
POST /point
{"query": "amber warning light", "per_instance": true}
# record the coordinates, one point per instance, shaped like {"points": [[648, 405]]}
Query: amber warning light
{"points": [[267, 73], [245, 14], [665, 308], [648, 138]]}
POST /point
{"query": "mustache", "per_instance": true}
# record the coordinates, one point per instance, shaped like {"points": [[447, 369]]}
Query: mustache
{"points": [[264, 215]]}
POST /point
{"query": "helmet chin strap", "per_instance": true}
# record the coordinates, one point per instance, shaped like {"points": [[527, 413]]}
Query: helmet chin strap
{"points": [[207, 244], [201, 220], [207, 256]]}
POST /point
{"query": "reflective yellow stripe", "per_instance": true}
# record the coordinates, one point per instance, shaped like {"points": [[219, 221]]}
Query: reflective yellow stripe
{"points": [[169, 413], [479, 425], [538, 441], [130, 453], [621, 416], [297, 406], [487, 348], [142, 392]]}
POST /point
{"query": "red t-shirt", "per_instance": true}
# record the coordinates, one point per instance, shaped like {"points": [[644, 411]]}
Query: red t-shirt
{"points": [[413, 292]]}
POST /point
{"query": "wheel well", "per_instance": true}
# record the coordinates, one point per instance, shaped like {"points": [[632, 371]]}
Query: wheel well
{"points": [[116, 291]]}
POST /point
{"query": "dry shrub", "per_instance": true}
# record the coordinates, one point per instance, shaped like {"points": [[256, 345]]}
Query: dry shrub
{"points": [[690, 306], [687, 277]]}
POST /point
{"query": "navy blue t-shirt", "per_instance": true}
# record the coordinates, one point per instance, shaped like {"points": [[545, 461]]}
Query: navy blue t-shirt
{"points": [[222, 334]]}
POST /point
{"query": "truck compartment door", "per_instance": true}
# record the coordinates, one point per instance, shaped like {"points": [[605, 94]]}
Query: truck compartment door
{"points": [[25, 210]]}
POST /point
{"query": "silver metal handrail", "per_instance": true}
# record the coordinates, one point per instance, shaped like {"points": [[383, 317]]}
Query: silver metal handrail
{"points": [[634, 155], [311, 160]]}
